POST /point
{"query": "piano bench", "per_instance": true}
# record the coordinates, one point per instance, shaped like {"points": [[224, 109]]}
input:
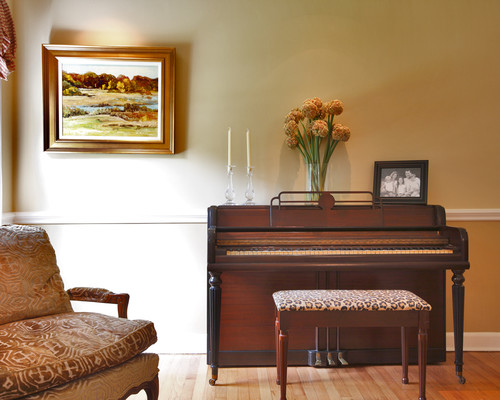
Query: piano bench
{"points": [[351, 308]]}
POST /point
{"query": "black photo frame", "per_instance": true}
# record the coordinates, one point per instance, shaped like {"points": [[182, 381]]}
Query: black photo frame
{"points": [[401, 182]]}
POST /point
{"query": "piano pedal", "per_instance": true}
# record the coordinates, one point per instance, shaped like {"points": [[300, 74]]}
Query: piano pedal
{"points": [[332, 362], [316, 359], [341, 358], [318, 362], [322, 358]]}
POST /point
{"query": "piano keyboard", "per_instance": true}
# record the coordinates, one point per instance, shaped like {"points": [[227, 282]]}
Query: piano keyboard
{"points": [[328, 252]]}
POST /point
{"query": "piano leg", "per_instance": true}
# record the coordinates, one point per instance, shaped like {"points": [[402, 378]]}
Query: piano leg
{"points": [[458, 295], [214, 300]]}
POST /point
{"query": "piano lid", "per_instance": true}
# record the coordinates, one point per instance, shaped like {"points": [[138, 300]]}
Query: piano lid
{"points": [[293, 211]]}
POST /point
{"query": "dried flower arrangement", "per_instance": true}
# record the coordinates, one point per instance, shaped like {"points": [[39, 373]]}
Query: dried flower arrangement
{"points": [[310, 129]]}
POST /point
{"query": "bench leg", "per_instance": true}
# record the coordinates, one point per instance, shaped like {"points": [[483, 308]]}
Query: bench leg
{"points": [[422, 361], [283, 362], [277, 347], [404, 354]]}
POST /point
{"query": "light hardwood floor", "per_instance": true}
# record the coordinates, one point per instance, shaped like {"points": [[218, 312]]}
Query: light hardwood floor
{"points": [[185, 377]]}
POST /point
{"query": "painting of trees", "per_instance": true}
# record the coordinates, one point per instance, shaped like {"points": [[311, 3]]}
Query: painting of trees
{"points": [[90, 80]]}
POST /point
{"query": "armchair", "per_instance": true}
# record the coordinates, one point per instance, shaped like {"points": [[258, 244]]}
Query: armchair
{"points": [[49, 351]]}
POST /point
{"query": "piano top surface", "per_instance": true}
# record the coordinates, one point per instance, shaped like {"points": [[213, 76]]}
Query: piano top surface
{"points": [[314, 218]]}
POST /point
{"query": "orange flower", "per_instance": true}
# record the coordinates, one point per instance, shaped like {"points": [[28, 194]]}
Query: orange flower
{"points": [[317, 101], [334, 107], [320, 128], [309, 110], [294, 115], [321, 113], [347, 134], [341, 132], [291, 128], [291, 142]]}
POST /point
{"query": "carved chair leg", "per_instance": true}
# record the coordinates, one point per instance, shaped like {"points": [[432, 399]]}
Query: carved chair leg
{"points": [[153, 389]]}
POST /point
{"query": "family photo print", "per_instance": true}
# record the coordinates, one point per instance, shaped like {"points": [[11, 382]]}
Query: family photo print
{"points": [[401, 181]]}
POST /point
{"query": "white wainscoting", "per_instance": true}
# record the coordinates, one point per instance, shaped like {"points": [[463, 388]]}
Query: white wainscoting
{"points": [[194, 341]]}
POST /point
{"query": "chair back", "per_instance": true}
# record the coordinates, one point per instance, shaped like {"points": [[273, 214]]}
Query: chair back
{"points": [[30, 281]]}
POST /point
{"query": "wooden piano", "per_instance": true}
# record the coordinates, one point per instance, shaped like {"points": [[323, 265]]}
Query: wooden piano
{"points": [[346, 240]]}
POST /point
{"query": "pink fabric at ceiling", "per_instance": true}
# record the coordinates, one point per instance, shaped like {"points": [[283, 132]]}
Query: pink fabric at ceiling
{"points": [[7, 41]]}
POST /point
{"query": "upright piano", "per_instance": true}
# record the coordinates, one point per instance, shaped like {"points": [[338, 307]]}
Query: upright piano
{"points": [[341, 241]]}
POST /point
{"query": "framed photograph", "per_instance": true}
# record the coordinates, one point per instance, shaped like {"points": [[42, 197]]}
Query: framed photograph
{"points": [[403, 182], [112, 99]]}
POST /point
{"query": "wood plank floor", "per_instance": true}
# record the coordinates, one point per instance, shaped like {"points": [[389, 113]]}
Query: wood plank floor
{"points": [[185, 377]]}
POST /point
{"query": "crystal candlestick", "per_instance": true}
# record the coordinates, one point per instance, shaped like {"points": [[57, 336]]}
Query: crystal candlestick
{"points": [[250, 192], [230, 194]]}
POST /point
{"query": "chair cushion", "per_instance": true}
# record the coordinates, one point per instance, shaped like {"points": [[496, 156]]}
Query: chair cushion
{"points": [[348, 300], [40, 353], [30, 284], [110, 384]]}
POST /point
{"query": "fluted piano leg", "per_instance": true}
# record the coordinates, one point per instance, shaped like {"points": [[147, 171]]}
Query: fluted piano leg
{"points": [[214, 300], [458, 296]]}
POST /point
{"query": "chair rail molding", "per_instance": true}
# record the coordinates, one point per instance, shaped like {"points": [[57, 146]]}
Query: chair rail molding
{"points": [[38, 218], [196, 217], [473, 214]]}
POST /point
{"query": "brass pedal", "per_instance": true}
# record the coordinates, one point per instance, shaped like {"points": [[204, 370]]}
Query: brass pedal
{"points": [[331, 360], [341, 359], [318, 362]]}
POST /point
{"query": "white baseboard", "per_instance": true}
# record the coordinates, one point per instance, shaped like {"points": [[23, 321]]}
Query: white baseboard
{"points": [[476, 341]]}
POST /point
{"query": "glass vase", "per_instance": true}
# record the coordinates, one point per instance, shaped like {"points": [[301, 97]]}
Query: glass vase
{"points": [[315, 180]]}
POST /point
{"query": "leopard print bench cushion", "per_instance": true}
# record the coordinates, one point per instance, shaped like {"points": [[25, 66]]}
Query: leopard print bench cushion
{"points": [[348, 300]]}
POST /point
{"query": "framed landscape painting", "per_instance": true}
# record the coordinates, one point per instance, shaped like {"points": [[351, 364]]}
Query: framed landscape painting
{"points": [[111, 99], [403, 182]]}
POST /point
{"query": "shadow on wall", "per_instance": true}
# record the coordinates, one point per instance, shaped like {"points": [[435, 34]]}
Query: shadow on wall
{"points": [[289, 168]]}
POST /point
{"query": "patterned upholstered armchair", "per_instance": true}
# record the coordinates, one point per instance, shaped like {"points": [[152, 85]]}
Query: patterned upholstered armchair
{"points": [[48, 351]]}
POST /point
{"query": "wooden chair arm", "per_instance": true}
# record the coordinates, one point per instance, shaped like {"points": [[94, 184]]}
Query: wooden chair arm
{"points": [[100, 295]]}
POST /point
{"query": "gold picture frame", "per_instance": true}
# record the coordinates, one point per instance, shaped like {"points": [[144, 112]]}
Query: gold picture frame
{"points": [[112, 99]]}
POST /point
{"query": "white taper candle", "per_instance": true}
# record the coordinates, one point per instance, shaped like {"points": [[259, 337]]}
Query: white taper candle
{"points": [[249, 162], [229, 146]]}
